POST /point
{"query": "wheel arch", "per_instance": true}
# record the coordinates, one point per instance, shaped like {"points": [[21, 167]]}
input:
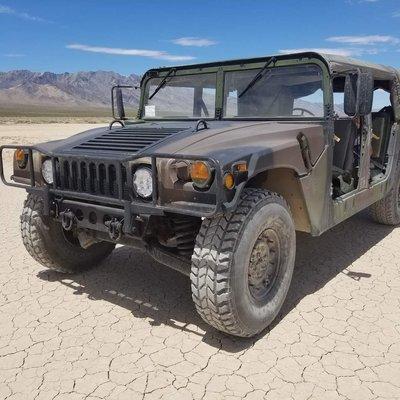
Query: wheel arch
{"points": [[285, 182]]}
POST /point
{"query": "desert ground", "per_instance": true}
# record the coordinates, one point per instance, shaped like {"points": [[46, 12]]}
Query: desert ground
{"points": [[129, 330]]}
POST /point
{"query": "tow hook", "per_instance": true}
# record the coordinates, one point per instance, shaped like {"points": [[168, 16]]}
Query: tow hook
{"points": [[67, 219], [114, 228]]}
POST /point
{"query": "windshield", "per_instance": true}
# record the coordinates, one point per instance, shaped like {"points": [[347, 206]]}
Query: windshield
{"points": [[185, 96], [279, 92]]}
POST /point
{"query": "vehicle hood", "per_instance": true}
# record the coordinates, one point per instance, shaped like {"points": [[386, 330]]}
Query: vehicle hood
{"points": [[224, 141]]}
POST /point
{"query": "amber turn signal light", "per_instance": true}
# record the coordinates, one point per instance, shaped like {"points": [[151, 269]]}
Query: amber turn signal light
{"points": [[241, 167], [201, 174], [229, 180]]}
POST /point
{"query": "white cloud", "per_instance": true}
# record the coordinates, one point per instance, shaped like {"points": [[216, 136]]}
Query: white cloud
{"points": [[342, 51], [396, 14], [364, 40], [10, 11], [194, 41], [158, 54], [335, 51]]}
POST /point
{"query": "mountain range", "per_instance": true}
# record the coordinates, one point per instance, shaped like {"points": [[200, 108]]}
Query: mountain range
{"points": [[79, 90], [23, 91]]}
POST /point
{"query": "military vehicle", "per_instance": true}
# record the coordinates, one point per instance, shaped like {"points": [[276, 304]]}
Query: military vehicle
{"points": [[223, 164]]}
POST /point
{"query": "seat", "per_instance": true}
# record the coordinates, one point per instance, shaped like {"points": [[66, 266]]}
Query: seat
{"points": [[381, 127], [343, 151]]}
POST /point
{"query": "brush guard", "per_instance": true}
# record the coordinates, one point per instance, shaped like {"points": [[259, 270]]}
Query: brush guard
{"points": [[181, 201]]}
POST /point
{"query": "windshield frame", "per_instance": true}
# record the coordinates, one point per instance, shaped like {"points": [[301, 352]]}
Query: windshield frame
{"points": [[220, 71]]}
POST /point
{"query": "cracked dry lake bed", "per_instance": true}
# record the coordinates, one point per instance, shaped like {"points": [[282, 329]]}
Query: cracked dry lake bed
{"points": [[128, 329]]}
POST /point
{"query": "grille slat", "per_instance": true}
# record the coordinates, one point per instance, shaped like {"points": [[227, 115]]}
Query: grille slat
{"points": [[72, 176], [89, 179], [120, 149], [137, 136], [115, 143], [130, 140], [107, 182], [62, 174], [113, 179], [80, 185], [94, 178], [119, 140]]}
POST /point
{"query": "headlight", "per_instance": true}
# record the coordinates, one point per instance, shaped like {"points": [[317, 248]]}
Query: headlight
{"points": [[143, 182], [201, 174], [47, 171]]}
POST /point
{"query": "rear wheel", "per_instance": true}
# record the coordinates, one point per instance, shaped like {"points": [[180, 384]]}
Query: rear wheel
{"points": [[387, 210], [53, 247], [243, 264]]}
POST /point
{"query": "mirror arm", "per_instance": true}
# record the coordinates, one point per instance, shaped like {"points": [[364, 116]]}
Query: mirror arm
{"points": [[113, 89]]}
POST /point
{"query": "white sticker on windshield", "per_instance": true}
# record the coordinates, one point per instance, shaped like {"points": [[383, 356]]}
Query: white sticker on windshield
{"points": [[150, 111]]}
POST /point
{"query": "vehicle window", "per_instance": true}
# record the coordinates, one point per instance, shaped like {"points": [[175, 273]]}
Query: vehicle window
{"points": [[188, 96], [381, 100], [280, 92], [311, 105], [338, 101]]}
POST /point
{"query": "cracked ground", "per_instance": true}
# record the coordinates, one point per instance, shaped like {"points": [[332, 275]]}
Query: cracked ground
{"points": [[128, 329]]}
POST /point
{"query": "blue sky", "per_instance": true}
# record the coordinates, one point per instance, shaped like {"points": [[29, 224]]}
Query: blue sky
{"points": [[132, 36]]}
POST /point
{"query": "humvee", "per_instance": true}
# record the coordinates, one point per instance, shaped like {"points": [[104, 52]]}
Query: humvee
{"points": [[223, 164]]}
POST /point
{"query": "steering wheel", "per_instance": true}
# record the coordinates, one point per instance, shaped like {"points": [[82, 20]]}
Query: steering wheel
{"points": [[303, 111]]}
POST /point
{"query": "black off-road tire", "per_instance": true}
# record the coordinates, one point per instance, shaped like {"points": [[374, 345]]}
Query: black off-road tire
{"points": [[387, 210], [47, 243], [220, 264]]}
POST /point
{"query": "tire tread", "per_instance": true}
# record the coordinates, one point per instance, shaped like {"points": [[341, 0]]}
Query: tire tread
{"points": [[34, 226], [212, 258]]}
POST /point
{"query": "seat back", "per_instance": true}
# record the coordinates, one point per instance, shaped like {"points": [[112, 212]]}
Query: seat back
{"points": [[381, 126], [343, 151]]}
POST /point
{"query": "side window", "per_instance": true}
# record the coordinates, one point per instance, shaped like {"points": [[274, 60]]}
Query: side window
{"points": [[338, 96], [381, 100], [338, 102]]}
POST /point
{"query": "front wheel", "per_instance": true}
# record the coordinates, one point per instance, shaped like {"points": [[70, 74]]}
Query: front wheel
{"points": [[243, 263], [53, 247]]}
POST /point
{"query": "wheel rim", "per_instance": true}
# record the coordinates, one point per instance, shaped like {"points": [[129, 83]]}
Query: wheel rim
{"points": [[264, 264]]}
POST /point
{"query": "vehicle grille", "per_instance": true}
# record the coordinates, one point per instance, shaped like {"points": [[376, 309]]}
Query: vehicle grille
{"points": [[106, 178], [99, 178], [130, 140]]}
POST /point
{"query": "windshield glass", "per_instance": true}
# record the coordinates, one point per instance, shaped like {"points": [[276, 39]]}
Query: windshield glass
{"points": [[187, 96], [279, 92]]}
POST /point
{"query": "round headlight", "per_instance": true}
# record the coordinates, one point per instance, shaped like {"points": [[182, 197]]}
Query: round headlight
{"points": [[143, 182], [47, 171]]}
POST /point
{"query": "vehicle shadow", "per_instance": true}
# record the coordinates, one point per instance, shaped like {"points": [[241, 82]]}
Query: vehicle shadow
{"points": [[131, 279]]}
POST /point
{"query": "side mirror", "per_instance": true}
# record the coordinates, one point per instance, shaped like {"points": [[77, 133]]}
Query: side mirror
{"points": [[358, 94], [119, 110]]}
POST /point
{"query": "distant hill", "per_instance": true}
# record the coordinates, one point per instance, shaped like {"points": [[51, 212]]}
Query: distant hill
{"points": [[22, 89], [26, 93]]}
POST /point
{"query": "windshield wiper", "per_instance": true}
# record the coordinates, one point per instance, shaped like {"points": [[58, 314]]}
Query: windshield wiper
{"points": [[163, 82], [259, 75]]}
